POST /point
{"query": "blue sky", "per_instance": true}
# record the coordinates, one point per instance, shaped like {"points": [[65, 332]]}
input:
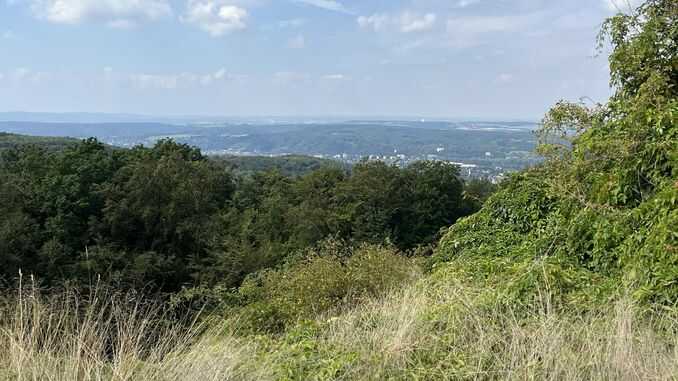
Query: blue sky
{"points": [[428, 58]]}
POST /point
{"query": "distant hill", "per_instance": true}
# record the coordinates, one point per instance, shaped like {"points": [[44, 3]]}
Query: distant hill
{"points": [[491, 148], [53, 143], [485, 149], [83, 117], [288, 165], [101, 131]]}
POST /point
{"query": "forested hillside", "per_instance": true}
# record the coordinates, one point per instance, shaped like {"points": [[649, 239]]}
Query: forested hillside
{"points": [[569, 271], [168, 217], [288, 165], [487, 148], [8, 141]]}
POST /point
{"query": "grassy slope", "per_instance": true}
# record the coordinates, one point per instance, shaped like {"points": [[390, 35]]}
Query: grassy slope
{"points": [[435, 328]]}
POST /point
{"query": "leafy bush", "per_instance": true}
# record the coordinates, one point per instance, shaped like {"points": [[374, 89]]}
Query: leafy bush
{"points": [[605, 203], [321, 281]]}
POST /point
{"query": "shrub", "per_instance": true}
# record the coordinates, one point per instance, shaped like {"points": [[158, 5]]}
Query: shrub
{"points": [[323, 281]]}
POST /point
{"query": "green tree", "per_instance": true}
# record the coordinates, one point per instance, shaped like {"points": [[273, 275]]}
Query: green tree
{"points": [[434, 200], [163, 205], [53, 205], [374, 201]]}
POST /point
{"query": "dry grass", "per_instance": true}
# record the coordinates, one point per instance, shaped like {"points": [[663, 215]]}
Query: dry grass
{"points": [[419, 332], [445, 333], [103, 336]]}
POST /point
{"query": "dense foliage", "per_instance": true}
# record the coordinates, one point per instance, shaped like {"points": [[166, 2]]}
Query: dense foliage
{"points": [[288, 165], [167, 216], [326, 278], [603, 210]]}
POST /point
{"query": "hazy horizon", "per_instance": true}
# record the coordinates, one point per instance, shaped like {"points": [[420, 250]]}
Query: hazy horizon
{"points": [[72, 116]]}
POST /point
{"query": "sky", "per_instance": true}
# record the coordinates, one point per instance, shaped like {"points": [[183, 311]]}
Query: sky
{"points": [[492, 59]]}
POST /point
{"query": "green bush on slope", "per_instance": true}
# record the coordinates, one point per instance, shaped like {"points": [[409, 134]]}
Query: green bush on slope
{"points": [[605, 204], [516, 249], [327, 278]]}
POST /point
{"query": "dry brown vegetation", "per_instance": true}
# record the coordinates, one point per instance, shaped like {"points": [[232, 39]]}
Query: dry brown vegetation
{"points": [[419, 332]]}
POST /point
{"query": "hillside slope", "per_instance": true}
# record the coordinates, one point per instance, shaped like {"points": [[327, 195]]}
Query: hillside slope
{"points": [[603, 211], [569, 272]]}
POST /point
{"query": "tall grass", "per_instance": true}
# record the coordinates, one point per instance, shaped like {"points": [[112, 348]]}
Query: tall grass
{"points": [[418, 332], [68, 336], [446, 334]]}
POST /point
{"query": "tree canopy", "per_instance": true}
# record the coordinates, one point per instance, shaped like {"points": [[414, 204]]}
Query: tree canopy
{"points": [[167, 216]]}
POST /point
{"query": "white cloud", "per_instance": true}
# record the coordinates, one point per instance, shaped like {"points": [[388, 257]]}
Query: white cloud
{"points": [[289, 77], [505, 78], [108, 73], [216, 17], [482, 24], [220, 74], [410, 22], [208, 79], [7, 35], [108, 11], [121, 24], [466, 3], [146, 81], [20, 73], [466, 30], [330, 5], [405, 22], [24, 75], [297, 42], [377, 22], [335, 77], [405, 48], [293, 23]]}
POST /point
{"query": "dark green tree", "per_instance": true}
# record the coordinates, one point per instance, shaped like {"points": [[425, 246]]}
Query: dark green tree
{"points": [[163, 206], [434, 200]]}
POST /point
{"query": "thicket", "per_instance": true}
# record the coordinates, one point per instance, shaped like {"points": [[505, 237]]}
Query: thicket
{"points": [[602, 213]]}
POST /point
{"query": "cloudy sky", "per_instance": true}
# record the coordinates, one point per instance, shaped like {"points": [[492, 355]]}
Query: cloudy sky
{"points": [[428, 58]]}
